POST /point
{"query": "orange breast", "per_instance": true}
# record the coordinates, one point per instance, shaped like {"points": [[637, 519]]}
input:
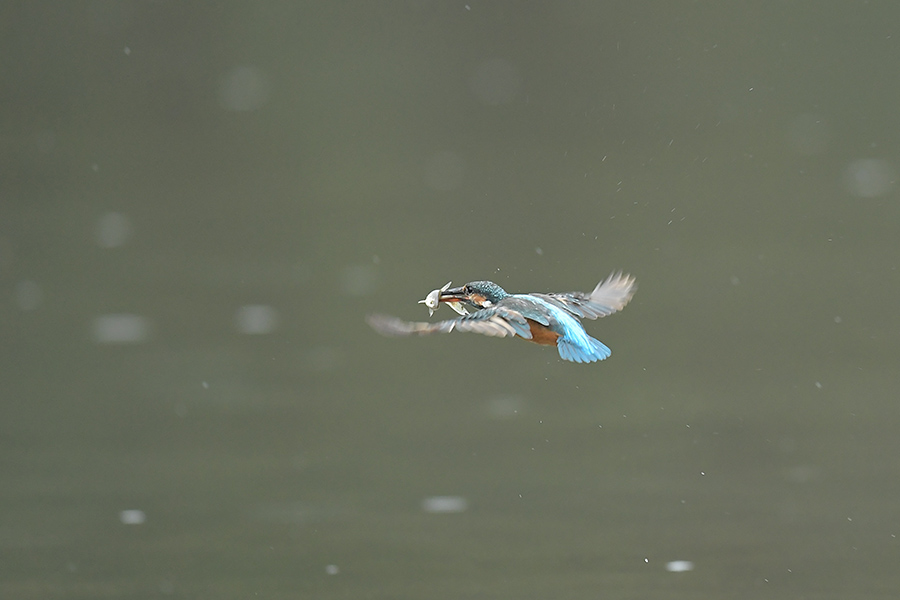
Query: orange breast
{"points": [[541, 334], [477, 299]]}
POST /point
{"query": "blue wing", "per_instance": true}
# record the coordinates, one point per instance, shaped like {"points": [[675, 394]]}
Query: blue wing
{"points": [[497, 321], [610, 295]]}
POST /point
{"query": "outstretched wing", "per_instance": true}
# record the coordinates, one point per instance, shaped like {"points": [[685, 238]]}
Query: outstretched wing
{"points": [[496, 321], [610, 295]]}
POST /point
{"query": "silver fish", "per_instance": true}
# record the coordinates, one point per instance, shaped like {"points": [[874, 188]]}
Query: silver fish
{"points": [[433, 301]]}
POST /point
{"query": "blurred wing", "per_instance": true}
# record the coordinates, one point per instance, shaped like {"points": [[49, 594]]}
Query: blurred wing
{"points": [[495, 322], [610, 295]]}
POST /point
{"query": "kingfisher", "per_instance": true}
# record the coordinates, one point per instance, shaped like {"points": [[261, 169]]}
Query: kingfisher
{"points": [[548, 319]]}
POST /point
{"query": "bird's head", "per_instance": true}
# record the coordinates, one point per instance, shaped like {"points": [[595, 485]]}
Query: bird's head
{"points": [[481, 294]]}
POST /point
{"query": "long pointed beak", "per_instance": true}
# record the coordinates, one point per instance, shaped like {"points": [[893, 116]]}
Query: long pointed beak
{"points": [[455, 298], [456, 294]]}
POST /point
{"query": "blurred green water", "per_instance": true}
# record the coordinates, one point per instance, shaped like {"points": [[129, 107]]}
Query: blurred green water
{"points": [[200, 203]]}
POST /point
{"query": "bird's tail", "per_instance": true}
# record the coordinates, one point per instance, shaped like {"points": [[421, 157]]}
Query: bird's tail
{"points": [[582, 351]]}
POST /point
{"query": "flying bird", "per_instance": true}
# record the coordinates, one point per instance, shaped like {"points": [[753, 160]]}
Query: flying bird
{"points": [[549, 319]]}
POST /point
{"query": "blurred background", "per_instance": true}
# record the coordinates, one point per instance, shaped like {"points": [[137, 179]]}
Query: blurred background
{"points": [[200, 202]]}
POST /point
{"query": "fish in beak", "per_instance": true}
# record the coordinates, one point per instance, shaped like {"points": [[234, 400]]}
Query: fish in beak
{"points": [[453, 298]]}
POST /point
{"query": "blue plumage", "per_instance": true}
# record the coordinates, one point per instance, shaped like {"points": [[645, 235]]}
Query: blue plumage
{"points": [[573, 343], [550, 319]]}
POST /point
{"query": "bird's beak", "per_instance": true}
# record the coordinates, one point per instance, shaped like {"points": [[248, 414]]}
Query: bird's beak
{"points": [[456, 294], [454, 297]]}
